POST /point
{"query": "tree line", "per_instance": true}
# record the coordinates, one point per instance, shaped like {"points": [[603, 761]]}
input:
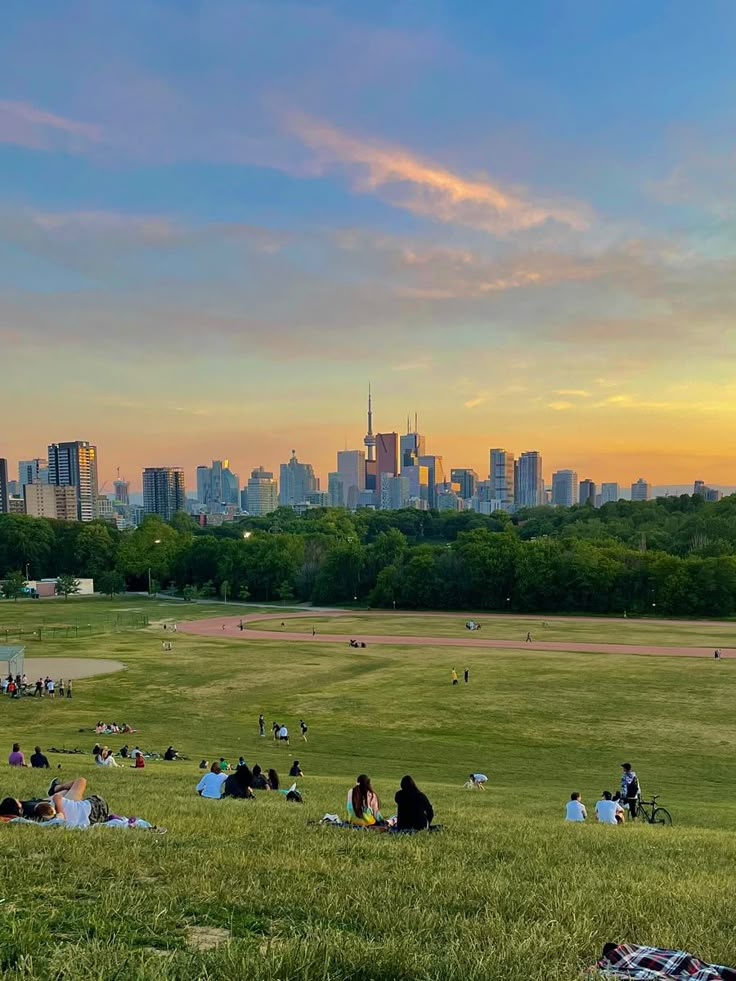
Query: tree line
{"points": [[673, 556]]}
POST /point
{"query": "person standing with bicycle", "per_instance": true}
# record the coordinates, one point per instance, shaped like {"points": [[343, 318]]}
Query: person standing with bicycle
{"points": [[630, 789]]}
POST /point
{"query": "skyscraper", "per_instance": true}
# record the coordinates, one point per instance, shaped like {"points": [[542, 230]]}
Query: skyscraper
{"points": [[163, 491], [394, 491], [564, 488], [609, 492], [468, 480], [435, 475], [297, 482], [262, 493], [35, 471], [501, 475], [351, 464], [641, 490], [412, 445], [587, 492], [335, 489], [122, 491], [217, 486], [74, 464], [530, 480], [3, 485], [387, 458]]}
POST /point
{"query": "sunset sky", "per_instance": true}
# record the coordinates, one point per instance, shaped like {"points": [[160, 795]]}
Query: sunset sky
{"points": [[220, 220]]}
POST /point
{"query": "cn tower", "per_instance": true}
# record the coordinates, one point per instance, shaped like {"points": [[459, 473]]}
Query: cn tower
{"points": [[370, 440]]}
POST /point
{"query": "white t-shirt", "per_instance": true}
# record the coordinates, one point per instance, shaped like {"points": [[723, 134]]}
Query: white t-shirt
{"points": [[50, 686], [607, 810], [575, 811], [480, 778], [211, 784], [76, 813], [283, 733]]}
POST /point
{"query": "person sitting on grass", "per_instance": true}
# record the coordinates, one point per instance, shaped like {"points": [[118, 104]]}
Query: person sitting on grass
{"points": [[575, 809], [70, 804], [364, 808], [139, 762], [260, 781], [296, 770], [170, 753], [224, 765], [105, 757], [38, 760], [273, 780], [414, 811], [608, 810], [239, 784], [211, 783], [16, 757], [204, 764]]}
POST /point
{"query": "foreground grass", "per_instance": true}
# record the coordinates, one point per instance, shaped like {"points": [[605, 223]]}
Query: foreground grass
{"points": [[507, 890]]}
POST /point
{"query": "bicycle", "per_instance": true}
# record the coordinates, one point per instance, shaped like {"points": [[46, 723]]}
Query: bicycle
{"points": [[653, 815]]}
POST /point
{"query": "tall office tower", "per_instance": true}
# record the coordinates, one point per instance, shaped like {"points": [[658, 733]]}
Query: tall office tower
{"points": [[529, 480], [587, 492], [336, 489], [4, 507], [122, 491], [418, 484], [217, 486], [435, 474], [351, 464], [50, 501], [501, 476], [204, 484], [468, 480], [394, 490], [34, 471], [262, 493], [412, 445], [297, 482], [564, 488], [370, 446], [609, 492], [641, 490], [74, 464], [387, 456], [163, 491]]}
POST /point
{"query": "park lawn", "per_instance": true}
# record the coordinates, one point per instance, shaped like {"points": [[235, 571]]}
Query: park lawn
{"points": [[507, 890], [697, 633]]}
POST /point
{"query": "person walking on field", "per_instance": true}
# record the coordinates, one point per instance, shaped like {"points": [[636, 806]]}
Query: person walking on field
{"points": [[61, 687], [69, 689], [50, 685], [630, 789], [304, 727], [528, 637], [466, 675], [261, 725], [454, 676]]}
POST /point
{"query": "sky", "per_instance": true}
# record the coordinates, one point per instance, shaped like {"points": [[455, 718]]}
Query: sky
{"points": [[220, 221]]}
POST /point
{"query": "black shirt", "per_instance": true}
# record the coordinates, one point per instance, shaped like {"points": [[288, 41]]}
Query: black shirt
{"points": [[414, 810], [39, 761]]}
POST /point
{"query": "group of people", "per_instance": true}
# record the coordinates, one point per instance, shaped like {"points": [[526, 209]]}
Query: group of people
{"points": [[414, 812], [38, 760], [17, 685], [242, 781], [456, 680], [356, 643], [112, 728], [66, 801], [611, 808], [279, 731], [104, 756]]}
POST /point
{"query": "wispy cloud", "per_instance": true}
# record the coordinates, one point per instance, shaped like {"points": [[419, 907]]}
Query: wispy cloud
{"points": [[423, 187], [560, 406], [580, 393], [474, 403], [24, 124]]}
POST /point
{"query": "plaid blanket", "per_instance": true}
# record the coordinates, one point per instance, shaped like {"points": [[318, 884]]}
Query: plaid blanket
{"points": [[656, 963]]}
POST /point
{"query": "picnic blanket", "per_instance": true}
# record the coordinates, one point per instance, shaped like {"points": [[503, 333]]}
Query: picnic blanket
{"points": [[657, 964]]}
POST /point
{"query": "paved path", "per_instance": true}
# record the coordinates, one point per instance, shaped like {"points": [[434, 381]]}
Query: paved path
{"points": [[230, 626]]}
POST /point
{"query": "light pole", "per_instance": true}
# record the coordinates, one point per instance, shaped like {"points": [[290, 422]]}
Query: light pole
{"points": [[156, 541]]}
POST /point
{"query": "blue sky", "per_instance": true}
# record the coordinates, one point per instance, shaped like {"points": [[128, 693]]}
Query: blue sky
{"points": [[218, 221]]}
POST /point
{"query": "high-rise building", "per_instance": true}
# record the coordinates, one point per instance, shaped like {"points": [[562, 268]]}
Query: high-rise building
{"points": [[641, 490], [217, 486], [448, 497], [530, 480], [610, 492], [122, 491], [204, 484], [501, 475], [297, 482], [35, 471], [4, 508], [387, 456], [351, 464], [74, 464], [163, 491], [336, 489], [564, 488], [711, 494], [370, 446], [262, 493], [412, 445], [587, 492], [467, 479], [435, 475], [51, 501], [418, 483], [394, 490]]}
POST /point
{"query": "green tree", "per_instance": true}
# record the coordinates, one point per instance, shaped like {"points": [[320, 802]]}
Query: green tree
{"points": [[66, 586], [285, 592], [190, 593], [110, 582], [243, 593], [13, 585]]}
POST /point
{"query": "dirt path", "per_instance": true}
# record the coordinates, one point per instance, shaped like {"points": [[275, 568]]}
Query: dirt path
{"points": [[230, 627], [69, 667]]}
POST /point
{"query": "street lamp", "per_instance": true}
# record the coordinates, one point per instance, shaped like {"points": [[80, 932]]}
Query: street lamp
{"points": [[156, 541]]}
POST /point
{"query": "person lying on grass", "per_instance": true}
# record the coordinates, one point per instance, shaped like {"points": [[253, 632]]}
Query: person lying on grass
{"points": [[414, 812], [364, 808], [211, 783], [77, 810], [33, 810]]}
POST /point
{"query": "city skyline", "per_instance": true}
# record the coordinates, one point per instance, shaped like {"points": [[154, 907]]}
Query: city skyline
{"points": [[478, 209]]}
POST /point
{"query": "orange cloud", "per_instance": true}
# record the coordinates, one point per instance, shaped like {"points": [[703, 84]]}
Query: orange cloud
{"points": [[425, 188]]}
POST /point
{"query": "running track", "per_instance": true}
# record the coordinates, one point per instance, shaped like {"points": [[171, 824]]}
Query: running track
{"points": [[213, 627]]}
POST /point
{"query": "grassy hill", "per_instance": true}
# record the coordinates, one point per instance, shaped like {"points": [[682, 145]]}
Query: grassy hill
{"points": [[507, 890]]}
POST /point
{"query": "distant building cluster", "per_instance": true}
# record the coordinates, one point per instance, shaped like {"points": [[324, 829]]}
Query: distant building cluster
{"points": [[390, 472]]}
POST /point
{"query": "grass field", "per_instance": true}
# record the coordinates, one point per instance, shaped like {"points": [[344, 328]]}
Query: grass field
{"points": [[507, 890]]}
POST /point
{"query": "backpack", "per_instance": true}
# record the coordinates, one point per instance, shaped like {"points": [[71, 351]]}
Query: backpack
{"points": [[295, 796], [632, 789]]}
